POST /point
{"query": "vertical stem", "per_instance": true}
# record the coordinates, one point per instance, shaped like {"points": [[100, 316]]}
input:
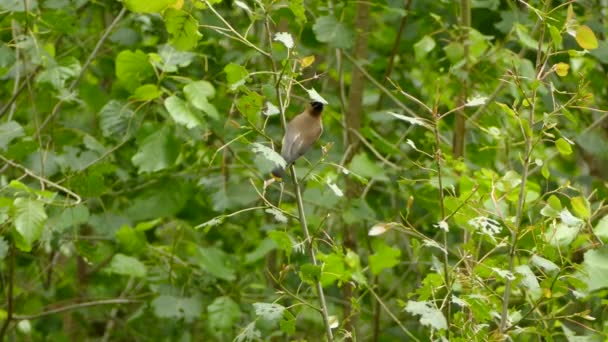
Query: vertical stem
{"points": [[522, 189], [460, 128], [301, 214], [446, 269]]}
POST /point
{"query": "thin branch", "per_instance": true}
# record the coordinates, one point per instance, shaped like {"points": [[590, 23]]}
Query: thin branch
{"points": [[43, 180], [76, 307]]}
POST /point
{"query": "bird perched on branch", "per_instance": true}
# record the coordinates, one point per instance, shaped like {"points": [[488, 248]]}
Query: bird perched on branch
{"points": [[302, 132]]}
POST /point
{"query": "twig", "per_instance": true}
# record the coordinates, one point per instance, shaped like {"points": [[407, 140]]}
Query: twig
{"points": [[76, 307], [43, 180]]}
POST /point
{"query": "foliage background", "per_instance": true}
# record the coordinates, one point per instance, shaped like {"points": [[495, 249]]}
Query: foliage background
{"points": [[457, 192]]}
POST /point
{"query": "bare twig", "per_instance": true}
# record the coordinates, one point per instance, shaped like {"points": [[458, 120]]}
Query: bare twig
{"points": [[76, 307]]}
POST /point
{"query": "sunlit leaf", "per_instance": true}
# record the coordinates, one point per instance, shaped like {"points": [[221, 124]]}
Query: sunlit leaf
{"points": [[586, 38]]}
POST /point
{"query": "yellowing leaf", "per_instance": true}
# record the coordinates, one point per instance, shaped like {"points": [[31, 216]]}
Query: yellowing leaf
{"points": [[586, 38], [307, 61], [178, 4], [561, 69]]}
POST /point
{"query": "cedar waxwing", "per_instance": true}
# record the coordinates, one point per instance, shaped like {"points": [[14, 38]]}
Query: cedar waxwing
{"points": [[302, 131]]}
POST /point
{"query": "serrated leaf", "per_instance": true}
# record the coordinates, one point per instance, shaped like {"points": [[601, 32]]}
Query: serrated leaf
{"points": [[586, 38], [127, 266], [269, 311], [187, 308], [157, 152], [29, 218], [182, 113], [250, 106], [546, 265], [198, 94], [223, 313], [329, 30], [269, 154], [115, 118], [313, 95], [214, 261], [284, 38], [182, 28], [429, 314], [529, 281], [9, 131], [384, 257], [596, 267]]}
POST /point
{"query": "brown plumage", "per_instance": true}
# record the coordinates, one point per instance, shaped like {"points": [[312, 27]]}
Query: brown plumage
{"points": [[302, 132]]}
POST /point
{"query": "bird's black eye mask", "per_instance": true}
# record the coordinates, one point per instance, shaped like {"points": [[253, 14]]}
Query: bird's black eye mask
{"points": [[317, 106]]}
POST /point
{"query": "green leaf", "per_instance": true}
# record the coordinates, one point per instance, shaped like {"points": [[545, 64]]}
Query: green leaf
{"points": [[146, 92], [182, 113], [131, 241], [133, 67], [127, 266], [148, 6], [223, 313], [57, 75], [29, 218], [9, 131], [236, 75], [556, 36], [429, 314], [214, 261], [283, 241], [297, 8], [198, 94], [363, 166], [586, 38], [310, 273], [70, 217], [159, 201], [561, 234], [172, 59], [423, 47], [182, 28], [288, 323], [385, 257], [157, 152], [329, 30], [563, 147], [581, 206], [250, 106], [115, 118], [601, 228], [596, 267], [187, 308], [529, 281], [269, 311]]}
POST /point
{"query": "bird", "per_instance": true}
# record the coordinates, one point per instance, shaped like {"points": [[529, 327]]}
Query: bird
{"points": [[301, 133]]}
